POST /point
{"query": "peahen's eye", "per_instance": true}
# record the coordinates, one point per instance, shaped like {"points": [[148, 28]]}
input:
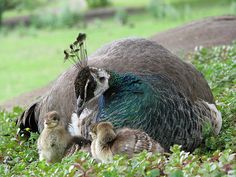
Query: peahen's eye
{"points": [[102, 79]]}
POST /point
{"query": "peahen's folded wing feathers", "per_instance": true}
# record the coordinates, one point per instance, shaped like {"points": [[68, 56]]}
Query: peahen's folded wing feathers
{"points": [[153, 104], [179, 123]]}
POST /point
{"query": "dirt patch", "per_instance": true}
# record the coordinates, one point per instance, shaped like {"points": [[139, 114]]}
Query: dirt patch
{"points": [[207, 32], [181, 40], [25, 99]]}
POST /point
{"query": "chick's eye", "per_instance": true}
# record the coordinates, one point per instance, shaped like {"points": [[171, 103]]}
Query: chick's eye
{"points": [[54, 118], [102, 79]]}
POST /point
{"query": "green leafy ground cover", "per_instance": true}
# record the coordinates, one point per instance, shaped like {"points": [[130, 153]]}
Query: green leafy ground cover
{"points": [[216, 158]]}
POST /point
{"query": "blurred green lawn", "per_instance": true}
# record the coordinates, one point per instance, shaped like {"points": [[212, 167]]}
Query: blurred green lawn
{"points": [[30, 58]]}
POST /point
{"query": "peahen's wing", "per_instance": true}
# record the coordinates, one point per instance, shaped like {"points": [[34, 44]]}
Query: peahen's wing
{"points": [[163, 113]]}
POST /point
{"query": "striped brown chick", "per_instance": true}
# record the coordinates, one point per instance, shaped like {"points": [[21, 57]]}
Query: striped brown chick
{"points": [[106, 142]]}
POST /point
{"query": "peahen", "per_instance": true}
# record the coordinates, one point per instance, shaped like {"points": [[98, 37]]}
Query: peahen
{"points": [[141, 57], [149, 102]]}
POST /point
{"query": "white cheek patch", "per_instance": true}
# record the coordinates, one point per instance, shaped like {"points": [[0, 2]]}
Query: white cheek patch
{"points": [[101, 86]]}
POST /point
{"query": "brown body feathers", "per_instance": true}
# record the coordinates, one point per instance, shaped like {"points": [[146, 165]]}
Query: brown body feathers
{"points": [[107, 142]]}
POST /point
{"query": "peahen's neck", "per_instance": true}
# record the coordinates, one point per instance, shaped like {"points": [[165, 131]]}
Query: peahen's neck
{"points": [[121, 79], [114, 79]]}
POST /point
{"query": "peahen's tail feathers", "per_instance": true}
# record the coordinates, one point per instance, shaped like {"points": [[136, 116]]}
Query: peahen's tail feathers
{"points": [[209, 112], [28, 120], [216, 118]]}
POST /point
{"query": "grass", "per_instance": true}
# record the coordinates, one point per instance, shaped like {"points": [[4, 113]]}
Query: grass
{"points": [[30, 58], [130, 3], [216, 158]]}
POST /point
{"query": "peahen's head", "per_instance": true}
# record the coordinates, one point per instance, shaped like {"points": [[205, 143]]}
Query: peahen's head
{"points": [[90, 83]]}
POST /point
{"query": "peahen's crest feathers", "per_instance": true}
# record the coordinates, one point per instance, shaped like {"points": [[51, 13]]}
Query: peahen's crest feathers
{"points": [[77, 52]]}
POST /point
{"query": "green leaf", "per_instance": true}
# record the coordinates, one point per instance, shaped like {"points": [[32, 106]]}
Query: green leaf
{"points": [[153, 173], [177, 173]]}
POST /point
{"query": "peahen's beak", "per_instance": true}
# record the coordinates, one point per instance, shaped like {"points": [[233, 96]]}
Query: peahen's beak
{"points": [[79, 105]]}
